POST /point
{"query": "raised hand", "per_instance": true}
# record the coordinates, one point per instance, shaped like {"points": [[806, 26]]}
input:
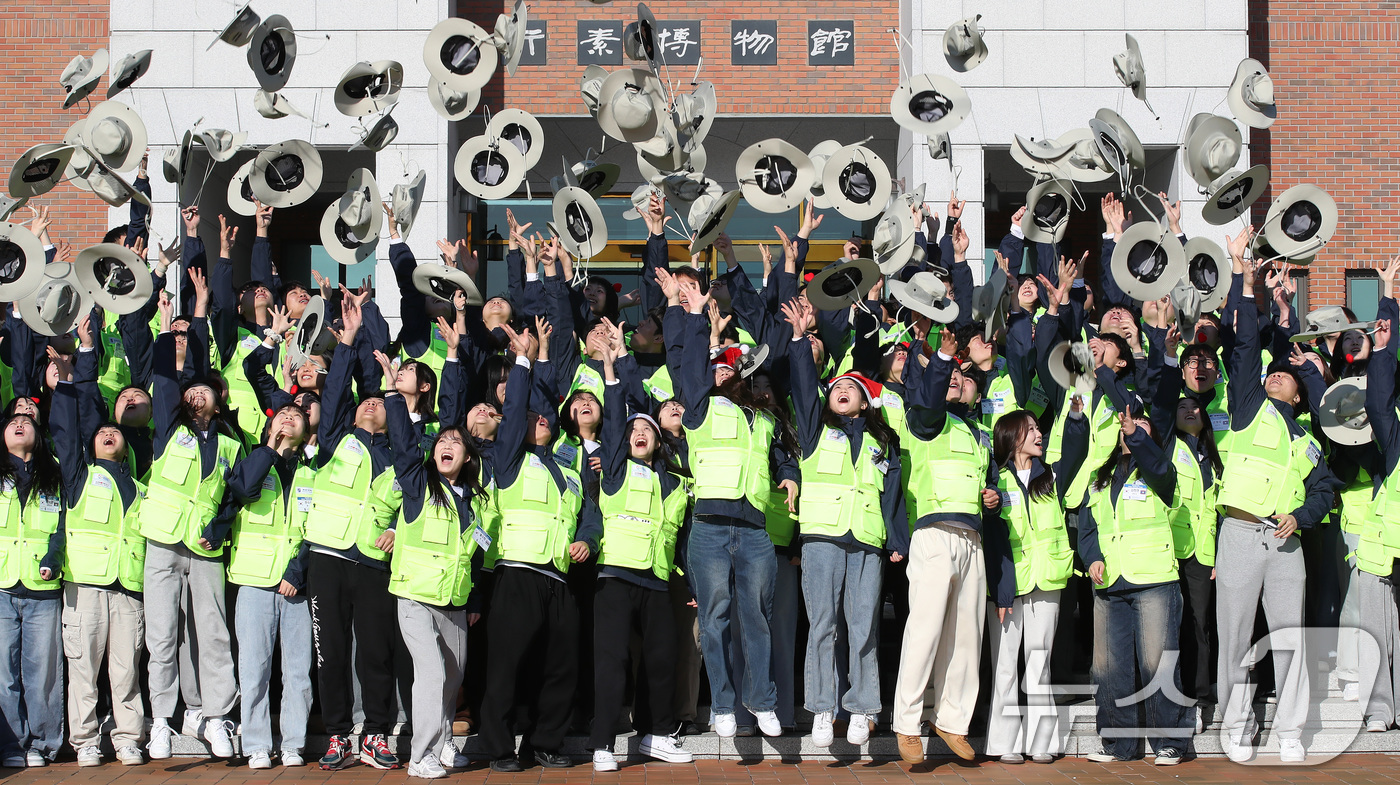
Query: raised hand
{"points": [[811, 219], [850, 249], [1387, 272], [63, 252], [519, 342], [718, 321], [1173, 212], [40, 222], [955, 207], [1127, 424], [281, 321], [389, 219], [655, 214], [201, 291], [670, 287], [794, 316], [262, 216], [695, 301], [449, 251], [1237, 247], [323, 284], [65, 368], [191, 216], [948, 342], [227, 236], [789, 246], [167, 311], [85, 331], [960, 242]]}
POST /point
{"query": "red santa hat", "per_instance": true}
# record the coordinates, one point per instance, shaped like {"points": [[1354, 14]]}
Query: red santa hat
{"points": [[728, 358], [873, 390]]}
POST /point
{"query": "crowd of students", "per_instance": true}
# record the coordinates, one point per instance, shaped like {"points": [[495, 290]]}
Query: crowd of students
{"points": [[530, 507]]}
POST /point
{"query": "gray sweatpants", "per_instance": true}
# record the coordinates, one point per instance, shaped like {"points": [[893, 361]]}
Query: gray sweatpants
{"points": [[1379, 667], [437, 640], [1251, 563], [170, 571]]}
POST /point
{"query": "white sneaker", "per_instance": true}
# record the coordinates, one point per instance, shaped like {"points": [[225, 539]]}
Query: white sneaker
{"points": [[193, 724], [822, 732], [292, 758], [768, 723], [665, 748], [603, 760], [1291, 751], [1239, 750], [726, 726], [218, 732], [430, 768], [1377, 726], [1351, 691], [90, 756], [260, 760], [130, 755], [1200, 719], [452, 758], [858, 729], [35, 759], [159, 745]]}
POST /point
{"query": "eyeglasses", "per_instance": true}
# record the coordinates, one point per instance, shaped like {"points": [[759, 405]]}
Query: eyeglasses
{"points": [[1196, 362]]}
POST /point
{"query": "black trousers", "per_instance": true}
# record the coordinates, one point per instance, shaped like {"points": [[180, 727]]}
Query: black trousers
{"points": [[1198, 646], [345, 593], [621, 607], [529, 612]]}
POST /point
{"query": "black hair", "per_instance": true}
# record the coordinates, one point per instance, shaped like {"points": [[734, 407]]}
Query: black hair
{"points": [[469, 477], [976, 375], [740, 391], [267, 423], [9, 410], [1199, 350], [289, 286], [92, 446], [1125, 353], [1282, 366], [45, 475], [426, 407], [117, 234], [692, 273], [1206, 438], [217, 423], [1103, 477], [875, 427], [665, 454], [249, 286], [567, 423], [496, 370], [966, 333], [610, 309], [1007, 434]]}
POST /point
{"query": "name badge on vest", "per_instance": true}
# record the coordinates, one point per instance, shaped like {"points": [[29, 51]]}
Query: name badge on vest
{"points": [[1219, 421], [1039, 397], [659, 394], [891, 399], [251, 342], [996, 404], [1314, 454], [185, 439], [1182, 455], [1134, 492], [1010, 498], [48, 503], [269, 483], [535, 462], [566, 454], [101, 481], [1104, 414], [835, 435], [573, 486], [483, 540], [641, 472], [303, 498], [354, 445], [725, 402]]}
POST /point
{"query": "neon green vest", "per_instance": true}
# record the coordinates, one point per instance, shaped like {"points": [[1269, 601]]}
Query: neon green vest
{"points": [[1379, 543], [1356, 502], [659, 386], [640, 525], [1193, 513], [840, 496], [1103, 437], [24, 538], [948, 472], [729, 459], [1267, 466], [240, 391], [345, 510], [585, 378], [568, 451], [268, 532], [432, 561], [778, 520], [435, 355], [115, 372], [179, 502], [537, 520], [102, 543], [1040, 547], [1001, 398], [7, 385], [1135, 535]]}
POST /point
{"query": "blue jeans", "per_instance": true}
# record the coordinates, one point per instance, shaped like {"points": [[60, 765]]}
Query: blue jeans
{"points": [[734, 571], [31, 674], [262, 619], [841, 584], [1138, 631], [782, 630]]}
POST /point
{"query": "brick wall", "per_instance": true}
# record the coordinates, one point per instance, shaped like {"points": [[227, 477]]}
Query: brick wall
{"points": [[1333, 65], [35, 46], [790, 87]]}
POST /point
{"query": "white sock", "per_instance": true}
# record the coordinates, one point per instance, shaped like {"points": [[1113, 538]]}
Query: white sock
{"points": [[161, 722]]}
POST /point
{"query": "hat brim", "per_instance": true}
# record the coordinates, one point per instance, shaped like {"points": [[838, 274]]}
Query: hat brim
{"points": [[513, 35], [1134, 287], [1254, 182], [362, 180], [243, 23], [860, 274], [893, 239], [101, 61], [581, 242], [1208, 128], [277, 25], [487, 55], [1332, 426], [1295, 250], [940, 314], [348, 252], [309, 331], [516, 126], [648, 85], [1239, 107], [29, 307], [127, 71], [236, 201], [112, 188], [32, 274], [599, 179], [353, 106], [510, 156], [1215, 297], [312, 171], [694, 133], [425, 275], [836, 167], [715, 221], [222, 147], [1034, 231], [959, 104], [1118, 143], [440, 105], [1058, 362], [405, 200], [21, 188], [84, 268], [747, 175], [966, 62]]}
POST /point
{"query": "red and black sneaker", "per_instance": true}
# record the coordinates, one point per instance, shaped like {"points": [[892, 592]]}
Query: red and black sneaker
{"points": [[374, 751], [338, 754]]}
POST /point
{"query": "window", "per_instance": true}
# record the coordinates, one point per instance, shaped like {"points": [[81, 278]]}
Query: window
{"points": [[1363, 293]]}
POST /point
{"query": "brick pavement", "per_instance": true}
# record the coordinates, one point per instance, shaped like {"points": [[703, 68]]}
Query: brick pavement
{"points": [[1356, 769]]}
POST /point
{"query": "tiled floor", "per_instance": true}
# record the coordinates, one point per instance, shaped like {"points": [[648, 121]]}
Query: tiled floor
{"points": [[1355, 769]]}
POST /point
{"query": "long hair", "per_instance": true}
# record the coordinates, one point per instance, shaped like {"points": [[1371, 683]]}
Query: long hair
{"points": [[875, 427], [426, 407], [267, 422], [567, 423], [1117, 459], [1007, 435], [740, 391], [665, 453], [469, 477], [609, 307], [45, 475], [217, 423], [495, 371], [1206, 440]]}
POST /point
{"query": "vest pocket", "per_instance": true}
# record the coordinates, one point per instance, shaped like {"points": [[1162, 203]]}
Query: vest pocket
{"points": [[160, 519], [92, 560], [425, 575], [254, 558], [176, 466]]}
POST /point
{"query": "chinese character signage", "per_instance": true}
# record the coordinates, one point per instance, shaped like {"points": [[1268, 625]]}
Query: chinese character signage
{"points": [[599, 43], [753, 43], [536, 43], [831, 42], [678, 42]]}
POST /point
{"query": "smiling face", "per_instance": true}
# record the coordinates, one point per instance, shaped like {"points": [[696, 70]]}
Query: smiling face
{"points": [[722, 374], [496, 311], [312, 406], [108, 444], [180, 328], [201, 401], [847, 398], [585, 411], [597, 298], [289, 426], [1189, 417], [450, 454], [1028, 294], [309, 375], [670, 416], [133, 407], [1281, 386], [1207, 332], [1354, 346], [642, 440], [540, 433], [483, 421], [1200, 372], [1032, 444], [296, 299], [27, 406]]}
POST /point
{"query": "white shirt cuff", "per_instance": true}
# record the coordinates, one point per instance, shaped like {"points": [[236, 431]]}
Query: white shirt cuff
{"points": [[1016, 232], [532, 276], [49, 247], [87, 348], [1108, 235], [393, 242], [1173, 362], [522, 361], [612, 382], [449, 359], [947, 358]]}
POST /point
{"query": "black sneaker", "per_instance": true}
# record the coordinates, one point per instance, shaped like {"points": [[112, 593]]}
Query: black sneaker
{"points": [[746, 730], [689, 728], [337, 755], [507, 765], [374, 751], [1168, 756], [553, 760]]}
